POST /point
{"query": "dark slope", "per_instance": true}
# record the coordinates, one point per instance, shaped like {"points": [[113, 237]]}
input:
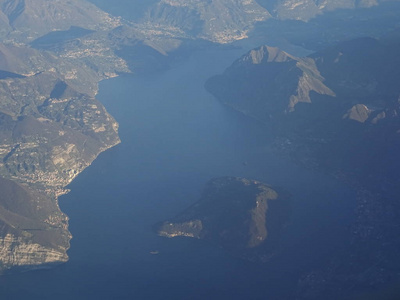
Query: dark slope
{"points": [[337, 98], [267, 82]]}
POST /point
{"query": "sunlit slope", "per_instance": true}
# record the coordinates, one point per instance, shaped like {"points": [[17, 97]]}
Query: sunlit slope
{"points": [[25, 20]]}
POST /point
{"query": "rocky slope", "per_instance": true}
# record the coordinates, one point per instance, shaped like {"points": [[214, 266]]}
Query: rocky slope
{"points": [[34, 232], [243, 216]]}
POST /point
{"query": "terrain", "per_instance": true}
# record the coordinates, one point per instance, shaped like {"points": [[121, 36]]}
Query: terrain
{"points": [[237, 214], [52, 127], [335, 111], [350, 90], [54, 53], [305, 10]]}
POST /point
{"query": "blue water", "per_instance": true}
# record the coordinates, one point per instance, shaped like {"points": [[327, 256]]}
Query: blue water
{"points": [[176, 137]]}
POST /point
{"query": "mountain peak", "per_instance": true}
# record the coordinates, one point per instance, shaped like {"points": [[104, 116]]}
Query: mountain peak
{"points": [[270, 76], [268, 54]]}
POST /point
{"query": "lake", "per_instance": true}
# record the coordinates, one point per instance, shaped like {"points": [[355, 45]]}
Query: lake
{"points": [[175, 137]]}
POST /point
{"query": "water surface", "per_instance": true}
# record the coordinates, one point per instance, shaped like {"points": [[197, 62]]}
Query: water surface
{"points": [[176, 137]]}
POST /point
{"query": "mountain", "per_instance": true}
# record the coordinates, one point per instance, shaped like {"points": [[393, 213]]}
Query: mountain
{"points": [[25, 20], [53, 53], [307, 9], [345, 122], [287, 80], [51, 128], [219, 21], [350, 90], [127, 9], [241, 215], [225, 21], [51, 125], [34, 232]]}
